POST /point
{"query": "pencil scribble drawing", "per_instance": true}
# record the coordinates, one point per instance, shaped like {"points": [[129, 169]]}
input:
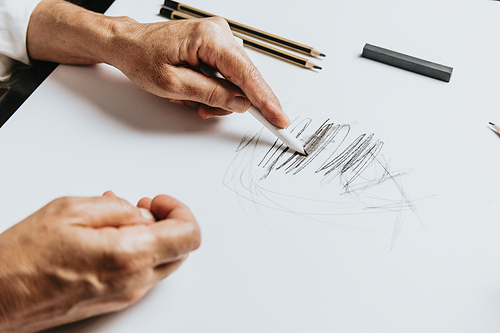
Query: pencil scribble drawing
{"points": [[343, 175]]}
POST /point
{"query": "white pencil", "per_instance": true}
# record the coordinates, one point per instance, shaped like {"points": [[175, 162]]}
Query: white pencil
{"points": [[495, 128], [283, 134]]}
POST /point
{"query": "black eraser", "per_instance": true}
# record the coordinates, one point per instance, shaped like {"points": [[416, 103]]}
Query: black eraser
{"points": [[407, 62]]}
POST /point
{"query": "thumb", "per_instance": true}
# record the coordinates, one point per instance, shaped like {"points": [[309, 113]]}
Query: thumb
{"points": [[145, 212]]}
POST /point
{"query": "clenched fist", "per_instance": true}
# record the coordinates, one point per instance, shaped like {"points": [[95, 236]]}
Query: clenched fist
{"points": [[80, 257]]}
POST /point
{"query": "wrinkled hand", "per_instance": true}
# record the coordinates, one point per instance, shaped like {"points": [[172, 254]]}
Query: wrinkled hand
{"points": [[162, 58], [80, 257]]}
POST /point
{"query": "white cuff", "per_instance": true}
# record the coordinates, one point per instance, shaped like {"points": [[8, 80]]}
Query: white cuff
{"points": [[14, 19]]}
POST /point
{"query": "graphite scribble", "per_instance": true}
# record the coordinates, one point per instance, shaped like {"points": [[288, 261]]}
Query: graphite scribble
{"points": [[342, 175]]}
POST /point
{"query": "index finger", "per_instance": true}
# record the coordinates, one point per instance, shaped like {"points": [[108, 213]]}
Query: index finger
{"points": [[242, 72], [176, 233], [235, 65]]}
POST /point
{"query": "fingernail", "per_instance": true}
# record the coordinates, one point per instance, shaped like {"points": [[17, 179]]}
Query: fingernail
{"points": [[147, 214], [238, 104], [287, 119]]}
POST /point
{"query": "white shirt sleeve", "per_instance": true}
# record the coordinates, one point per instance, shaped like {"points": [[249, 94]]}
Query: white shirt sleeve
{"points": [[14, 19]]}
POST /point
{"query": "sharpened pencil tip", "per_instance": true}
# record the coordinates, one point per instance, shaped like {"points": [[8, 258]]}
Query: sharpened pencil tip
{"points": [[322, 55], [491, 123], [302, 152], [317, 67]]}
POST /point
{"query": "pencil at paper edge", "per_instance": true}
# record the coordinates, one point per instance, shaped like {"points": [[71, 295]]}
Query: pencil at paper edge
{"points": [[267, 49], [248, 30]]}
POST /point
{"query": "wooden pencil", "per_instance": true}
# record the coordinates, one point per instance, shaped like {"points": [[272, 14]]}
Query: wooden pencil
{"points": [[267, 49], [256, 33]]}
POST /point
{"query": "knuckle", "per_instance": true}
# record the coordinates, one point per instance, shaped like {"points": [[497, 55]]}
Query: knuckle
{"points": [[132, 295], [221, 22], [254, 73], [212, 25], [221, 94], [127, 208], [204, 26], [63, 206], [214, 96], [166, 80], [63, 203], [193, 230]]}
